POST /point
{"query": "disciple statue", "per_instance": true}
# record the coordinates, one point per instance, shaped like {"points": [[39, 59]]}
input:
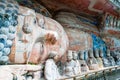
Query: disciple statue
{"points": [[118, 59], [83, 64], [77, 69], [110, 58], [51, 70], [69, 65], [91, 61], [115, 22], [107, 21], [118, 23], [99, 60], [111, 21], [105, 60]]}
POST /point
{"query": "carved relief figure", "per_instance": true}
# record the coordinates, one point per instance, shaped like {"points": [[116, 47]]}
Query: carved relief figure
{"points": [[51, 70], [118, 59], [77, 68], [105, 60], [110, 58], [99, 60], [69, 65], [91, 61], [83, 64]]}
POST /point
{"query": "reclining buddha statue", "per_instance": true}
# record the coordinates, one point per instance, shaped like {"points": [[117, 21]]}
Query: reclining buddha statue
{"points": [[27, 37], [35, 30]]}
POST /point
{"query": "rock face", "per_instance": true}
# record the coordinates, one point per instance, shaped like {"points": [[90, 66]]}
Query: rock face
{"points": [[79, 40], [36, 36], [76, 21]]}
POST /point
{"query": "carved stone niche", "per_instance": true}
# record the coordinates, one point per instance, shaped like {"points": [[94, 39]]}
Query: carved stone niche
{"points": [[83, 64], [91, 61], [97, 56]]}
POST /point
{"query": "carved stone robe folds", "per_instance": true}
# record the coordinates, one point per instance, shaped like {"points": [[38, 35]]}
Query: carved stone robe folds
{"points": [[69, 68], [51, 70], [106, 62], [84, 66], [100, 62], [77, 69], [92, 64]]}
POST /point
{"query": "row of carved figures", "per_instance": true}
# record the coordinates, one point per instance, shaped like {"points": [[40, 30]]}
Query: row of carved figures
{"points": [[115, 2], [112, 22], [76, 64]]}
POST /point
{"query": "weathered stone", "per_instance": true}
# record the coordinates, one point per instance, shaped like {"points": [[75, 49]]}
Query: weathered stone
{"points": [[43, 32], [83, 64], [91, 61], [99, 60]]}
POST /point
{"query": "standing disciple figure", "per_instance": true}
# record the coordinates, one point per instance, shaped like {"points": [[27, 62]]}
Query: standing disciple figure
{"points": [[77, 69], [69, 65], [105, 60], [83, 64], [99, 60], [110, 58], [51, 70], [91, 61], [118, 59]]}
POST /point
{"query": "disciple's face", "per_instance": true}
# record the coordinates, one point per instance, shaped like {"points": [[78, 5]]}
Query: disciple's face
{"points": [[56, 58], [69, 57], [75, 56]]}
